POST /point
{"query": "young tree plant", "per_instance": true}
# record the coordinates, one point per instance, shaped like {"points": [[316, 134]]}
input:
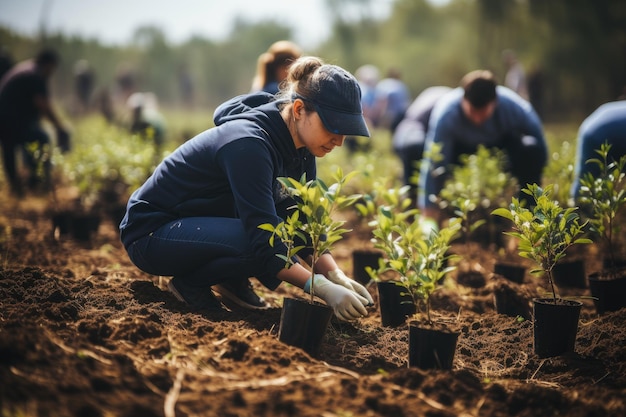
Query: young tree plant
{"points": [[418, 261], [605, 195], [311, 224], [545, 230], [480, 182]]}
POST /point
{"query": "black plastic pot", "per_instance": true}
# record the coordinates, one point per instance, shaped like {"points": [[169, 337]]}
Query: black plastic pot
{"points": [[512, 272], [303, 324], [62, 223], [80, 226], [431, 348], [84, 226], [618, 262], [555, 326], [570, 274], [394, 302], [609, 294], [362, 258], [510, 303]]}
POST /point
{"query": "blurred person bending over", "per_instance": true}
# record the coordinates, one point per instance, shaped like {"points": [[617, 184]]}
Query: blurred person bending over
{"points": [[273, 66], [410, 135], [196, 217], [145, 117], [606, 124], [480, 112], [24, 101]]}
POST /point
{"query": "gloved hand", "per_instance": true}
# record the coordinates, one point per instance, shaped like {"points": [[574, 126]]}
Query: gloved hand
{"points": [[346, 304], [427, 225], [338, 277]]}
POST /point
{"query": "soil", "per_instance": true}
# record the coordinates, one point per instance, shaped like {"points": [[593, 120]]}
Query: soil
{"points": [[85, 333]]}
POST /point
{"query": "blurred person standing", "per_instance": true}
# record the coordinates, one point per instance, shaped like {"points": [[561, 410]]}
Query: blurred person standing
{"points": [[392, 100], [6, 61], [515, 77], [606, 124], [367, 76], [24, 102], [273, 66], [84, 83], [480, 112]]}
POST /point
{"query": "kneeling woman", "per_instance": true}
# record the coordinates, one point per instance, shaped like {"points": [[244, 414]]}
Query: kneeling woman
{"points": [[196, 217]]}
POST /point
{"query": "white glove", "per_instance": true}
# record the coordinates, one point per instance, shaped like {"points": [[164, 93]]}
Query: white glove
{"points": [[427, 225], [338, 277], [346, 304]]}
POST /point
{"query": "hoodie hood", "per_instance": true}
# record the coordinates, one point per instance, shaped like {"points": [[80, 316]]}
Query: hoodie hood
{"points": [[262, 109], [239, 107]]}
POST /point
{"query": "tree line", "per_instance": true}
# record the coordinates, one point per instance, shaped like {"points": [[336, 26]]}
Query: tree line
{"points": [[577, 47]]}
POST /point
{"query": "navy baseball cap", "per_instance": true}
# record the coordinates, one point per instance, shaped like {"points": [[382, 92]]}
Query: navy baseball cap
{"points": [[337, 100]]}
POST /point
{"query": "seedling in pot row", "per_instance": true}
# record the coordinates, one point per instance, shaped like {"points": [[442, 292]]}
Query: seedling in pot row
{"points": [[310, 225], [545, 231], [605, 195]]}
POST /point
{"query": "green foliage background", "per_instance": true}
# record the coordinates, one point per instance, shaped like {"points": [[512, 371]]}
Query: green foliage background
{"points": [[579, 45]]}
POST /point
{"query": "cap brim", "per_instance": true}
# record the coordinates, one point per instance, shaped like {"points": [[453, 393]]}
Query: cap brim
{"points": [[343, 123]]}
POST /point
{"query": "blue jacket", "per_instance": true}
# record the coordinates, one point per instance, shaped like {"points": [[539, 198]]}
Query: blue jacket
{"points": [[226, 171], [513, 118], [606, 124]]}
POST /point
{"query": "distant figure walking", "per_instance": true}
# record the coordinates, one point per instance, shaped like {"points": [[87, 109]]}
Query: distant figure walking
{"points": [[24, 101], [515, 77]]}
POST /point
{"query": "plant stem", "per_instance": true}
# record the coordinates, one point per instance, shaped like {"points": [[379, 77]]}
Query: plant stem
{"points": [[549, 272]]}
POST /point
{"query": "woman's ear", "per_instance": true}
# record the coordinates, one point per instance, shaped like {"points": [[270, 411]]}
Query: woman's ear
{"points": [[297, 108]]}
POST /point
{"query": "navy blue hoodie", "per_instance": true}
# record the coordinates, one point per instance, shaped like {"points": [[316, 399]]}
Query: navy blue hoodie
{"points": [[227, 171]]}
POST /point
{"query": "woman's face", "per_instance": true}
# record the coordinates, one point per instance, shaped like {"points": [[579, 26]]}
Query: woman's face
{"points": [[311, 133]]}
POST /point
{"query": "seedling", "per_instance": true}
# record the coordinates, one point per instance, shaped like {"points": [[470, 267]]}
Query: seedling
{"points": [[545, 230], [311, 224], [478, 183], [419, 262], [605, 195]]}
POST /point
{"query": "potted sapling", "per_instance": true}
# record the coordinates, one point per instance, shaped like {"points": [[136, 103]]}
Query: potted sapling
{"points": [[418, 263], [604, 196], [570, 272], [432, 343], [545, 231], [476, 186], [394, 227], [311, 224], [366, 259]]}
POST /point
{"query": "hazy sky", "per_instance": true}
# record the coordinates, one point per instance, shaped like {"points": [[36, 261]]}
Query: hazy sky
{"points": [[114, 21]]}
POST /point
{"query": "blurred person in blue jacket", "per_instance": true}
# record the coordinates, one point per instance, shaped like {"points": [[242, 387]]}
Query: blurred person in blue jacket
{"points": [[368, 76], [606, 124], [392, 99], [480, 112], [410, 135], [196, 217]]}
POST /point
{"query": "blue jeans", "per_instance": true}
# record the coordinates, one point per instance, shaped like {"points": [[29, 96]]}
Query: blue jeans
{"points": [[202, 251]]}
